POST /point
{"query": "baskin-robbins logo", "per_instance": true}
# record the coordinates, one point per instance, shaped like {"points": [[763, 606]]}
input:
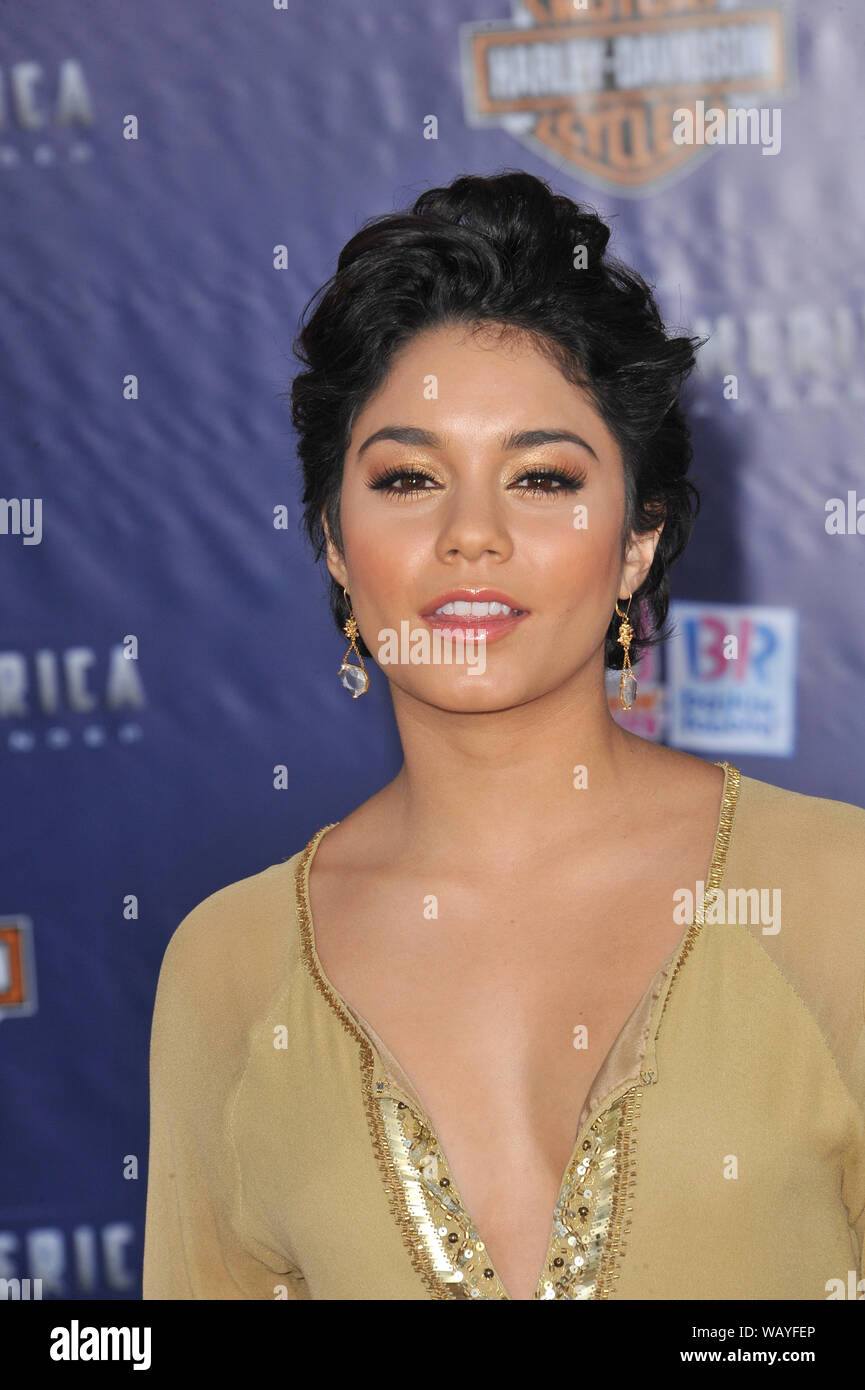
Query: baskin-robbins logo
{"points": [[632, 94], [731, 678]]}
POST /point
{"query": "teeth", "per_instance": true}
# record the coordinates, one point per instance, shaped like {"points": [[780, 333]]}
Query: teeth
{"points": [[462, 609]]}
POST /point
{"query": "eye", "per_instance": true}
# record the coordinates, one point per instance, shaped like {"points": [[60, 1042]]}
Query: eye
{"points": [[561, 480], [386, 482], [545, 481]]}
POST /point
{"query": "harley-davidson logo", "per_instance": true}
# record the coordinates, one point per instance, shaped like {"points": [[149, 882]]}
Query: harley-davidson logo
{"points": [[604, 84]]}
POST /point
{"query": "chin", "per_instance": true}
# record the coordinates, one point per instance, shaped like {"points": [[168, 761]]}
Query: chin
{"points": [[483, 694]]}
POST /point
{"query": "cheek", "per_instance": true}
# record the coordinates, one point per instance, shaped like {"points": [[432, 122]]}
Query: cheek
{"points": [[382, 549], [581, 548]]}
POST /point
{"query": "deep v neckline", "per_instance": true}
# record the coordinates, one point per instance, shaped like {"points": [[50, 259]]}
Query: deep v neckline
{"points": [[588, 1133]]}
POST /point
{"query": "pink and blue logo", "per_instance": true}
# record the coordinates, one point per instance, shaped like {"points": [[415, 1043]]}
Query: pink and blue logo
{"points": [[731, 678]]}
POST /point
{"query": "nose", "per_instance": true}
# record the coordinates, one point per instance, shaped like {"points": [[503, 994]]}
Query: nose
{"points": [[473, 523]]}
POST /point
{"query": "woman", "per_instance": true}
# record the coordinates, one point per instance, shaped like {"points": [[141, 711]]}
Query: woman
{"points": [[521, 1025]]}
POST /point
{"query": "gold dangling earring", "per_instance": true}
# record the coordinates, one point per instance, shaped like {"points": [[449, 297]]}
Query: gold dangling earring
{"points": [[354, 678], [627, 680]]}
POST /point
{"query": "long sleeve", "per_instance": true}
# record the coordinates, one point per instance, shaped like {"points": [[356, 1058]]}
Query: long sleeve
{"points": [[195, 1246]]}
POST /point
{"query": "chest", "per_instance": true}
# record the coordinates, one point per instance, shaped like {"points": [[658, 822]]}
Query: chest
{"points": [[530, 984], [500, 1008]]}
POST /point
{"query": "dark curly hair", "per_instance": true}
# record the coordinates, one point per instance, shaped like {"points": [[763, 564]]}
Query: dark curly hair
{"points": [[501, 250]]}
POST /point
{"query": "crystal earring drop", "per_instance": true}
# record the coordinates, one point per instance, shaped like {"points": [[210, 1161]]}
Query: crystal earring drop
{"points": [[627, 680], [353, 678]]}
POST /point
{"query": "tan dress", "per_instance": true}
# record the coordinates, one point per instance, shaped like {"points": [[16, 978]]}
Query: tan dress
{"points": [[720, 1153]]}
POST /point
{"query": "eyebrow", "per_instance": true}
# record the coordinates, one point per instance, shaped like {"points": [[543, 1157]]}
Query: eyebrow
{"points": [[521, 439]]}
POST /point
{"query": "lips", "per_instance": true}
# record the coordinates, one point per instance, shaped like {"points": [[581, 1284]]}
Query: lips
{"points": [[487, 627], [472, 596]]}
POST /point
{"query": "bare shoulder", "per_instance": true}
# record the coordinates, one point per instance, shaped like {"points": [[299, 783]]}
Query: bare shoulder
{"points": [[671, 783], [359, 841]]}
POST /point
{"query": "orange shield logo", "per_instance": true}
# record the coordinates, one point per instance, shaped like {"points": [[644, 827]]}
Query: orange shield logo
{"points": [[601, 84], [17, 973]]}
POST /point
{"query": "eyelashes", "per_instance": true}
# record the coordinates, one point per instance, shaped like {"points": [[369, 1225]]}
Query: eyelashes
{"points": [[567, 481]]}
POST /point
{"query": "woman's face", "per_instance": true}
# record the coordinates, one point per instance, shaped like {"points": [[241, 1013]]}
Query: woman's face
{"points": [[468, 511]]}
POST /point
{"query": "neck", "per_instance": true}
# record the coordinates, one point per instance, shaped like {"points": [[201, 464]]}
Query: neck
{"points": [[499, 788]]}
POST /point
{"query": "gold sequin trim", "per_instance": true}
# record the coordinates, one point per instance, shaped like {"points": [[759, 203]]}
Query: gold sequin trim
{"points": [[620, 1215], [453, 1248], [387, 1161], [589, 1220]]}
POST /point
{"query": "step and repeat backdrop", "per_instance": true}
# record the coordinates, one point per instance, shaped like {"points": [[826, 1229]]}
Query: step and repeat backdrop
{"points": [[175, 182]]}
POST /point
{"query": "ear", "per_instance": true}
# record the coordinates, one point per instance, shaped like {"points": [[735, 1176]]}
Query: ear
{"points": [[335, 562], [638, 560]]}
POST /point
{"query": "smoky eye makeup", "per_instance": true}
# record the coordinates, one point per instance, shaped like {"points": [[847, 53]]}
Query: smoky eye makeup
{"points": [[545, 480]]}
